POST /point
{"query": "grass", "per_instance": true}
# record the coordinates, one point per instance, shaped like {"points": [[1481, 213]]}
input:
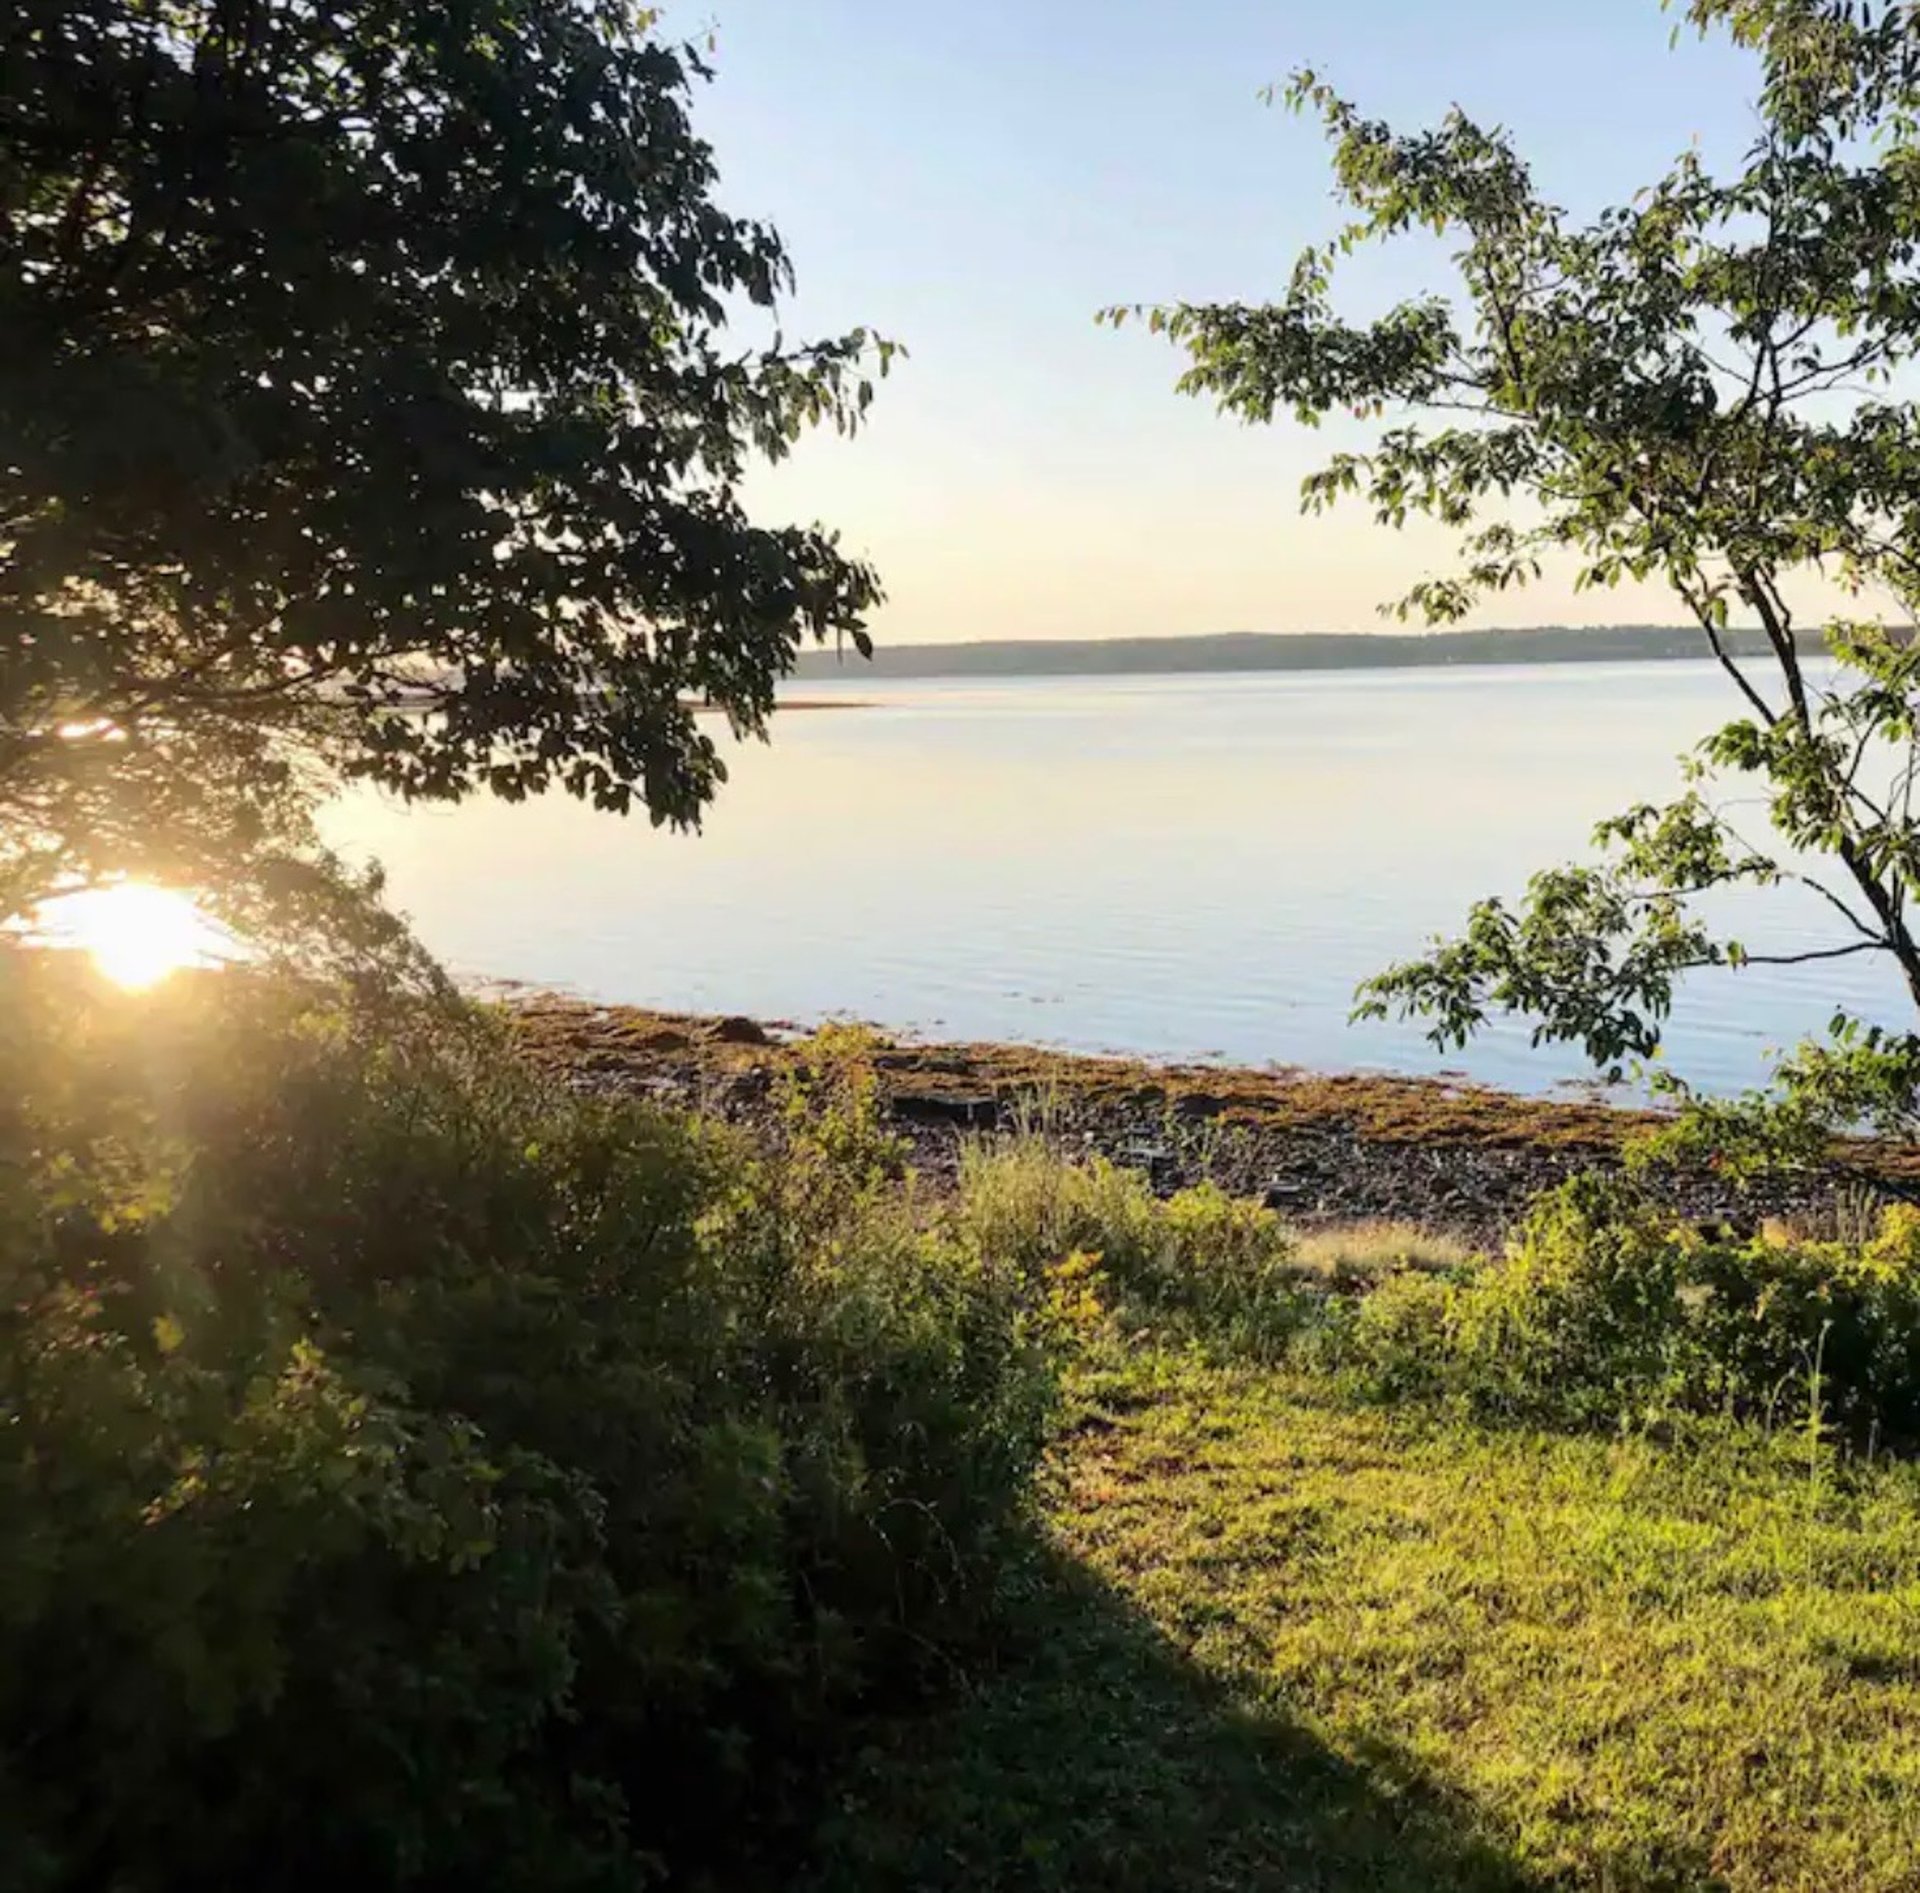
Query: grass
{"points": [[1365, 1252], [1276, 1639]]}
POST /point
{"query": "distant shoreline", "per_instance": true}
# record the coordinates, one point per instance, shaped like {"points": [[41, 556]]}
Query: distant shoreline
{"points": [[794, 703], [1259, 651]]}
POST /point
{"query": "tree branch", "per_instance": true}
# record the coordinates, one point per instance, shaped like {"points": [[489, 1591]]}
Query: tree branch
{"points": [[1813, 954]]}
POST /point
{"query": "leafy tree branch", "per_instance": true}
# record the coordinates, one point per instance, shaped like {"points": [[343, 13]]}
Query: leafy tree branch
{"points": [[1701, 387]]}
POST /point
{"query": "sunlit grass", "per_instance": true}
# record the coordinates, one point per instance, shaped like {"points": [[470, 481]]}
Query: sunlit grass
{"points": [[135, 933], [1373, 1248], [1309, 1644]]}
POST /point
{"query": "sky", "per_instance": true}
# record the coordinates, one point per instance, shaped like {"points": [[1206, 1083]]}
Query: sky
{"points": [[976, 181]]}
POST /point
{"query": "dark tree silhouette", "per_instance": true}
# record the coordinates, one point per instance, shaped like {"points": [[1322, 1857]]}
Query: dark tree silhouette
{"points": [[366, 412]]}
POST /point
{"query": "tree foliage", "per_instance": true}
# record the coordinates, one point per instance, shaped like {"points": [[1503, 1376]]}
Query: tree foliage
{"points": [[366, 412], [1701, 387]]}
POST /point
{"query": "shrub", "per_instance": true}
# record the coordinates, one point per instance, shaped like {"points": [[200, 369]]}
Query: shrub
{"points": [[1399, 1337], [1837, 1319], [417, 1476], [1201, 1265], [1583, 1314], [1607, 1309]]}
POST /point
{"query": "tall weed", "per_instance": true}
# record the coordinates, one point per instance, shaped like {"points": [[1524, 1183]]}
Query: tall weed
{"points": [[1201, 1265]]}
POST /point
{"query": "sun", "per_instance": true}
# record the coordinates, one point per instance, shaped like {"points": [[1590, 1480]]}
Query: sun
{"points": [[136, 934]]}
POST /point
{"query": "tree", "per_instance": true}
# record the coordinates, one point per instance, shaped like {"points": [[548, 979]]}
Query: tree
{"points": [[1699, 387], [365, 414]]}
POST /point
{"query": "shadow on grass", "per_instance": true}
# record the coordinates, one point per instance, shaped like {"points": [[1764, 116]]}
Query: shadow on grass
{"points": [[1097, 1756]]}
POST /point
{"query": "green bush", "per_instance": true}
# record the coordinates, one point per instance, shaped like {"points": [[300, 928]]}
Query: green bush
{"points": [[413, 1475], [1834, 1322], [1606, 1310], [1201, 1266], [1397, 1340]]}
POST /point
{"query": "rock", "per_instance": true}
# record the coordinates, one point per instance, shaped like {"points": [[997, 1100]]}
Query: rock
{"points": [[738, 1031], [1156, 1160], [1201, 1104], [932, 1107], [1285, 1195]]}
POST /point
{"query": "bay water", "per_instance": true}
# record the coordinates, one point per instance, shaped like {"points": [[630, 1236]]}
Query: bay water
{"points": [[1185, 867]]}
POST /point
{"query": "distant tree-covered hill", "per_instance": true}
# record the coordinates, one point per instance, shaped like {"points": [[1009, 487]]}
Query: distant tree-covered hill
{"points": [[1247, 650]]}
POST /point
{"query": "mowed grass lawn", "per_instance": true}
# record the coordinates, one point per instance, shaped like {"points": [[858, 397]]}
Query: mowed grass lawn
{"points": [[1280, 1639]]}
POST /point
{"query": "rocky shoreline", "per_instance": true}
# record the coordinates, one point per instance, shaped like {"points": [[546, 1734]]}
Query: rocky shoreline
{"points": [[1463, 1159]]}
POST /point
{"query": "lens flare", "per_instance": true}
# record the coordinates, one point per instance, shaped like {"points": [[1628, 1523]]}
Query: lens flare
{"points": [[136, 934]]}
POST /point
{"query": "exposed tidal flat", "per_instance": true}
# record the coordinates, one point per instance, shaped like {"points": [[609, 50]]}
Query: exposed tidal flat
{"points": [[1324, 1150]]}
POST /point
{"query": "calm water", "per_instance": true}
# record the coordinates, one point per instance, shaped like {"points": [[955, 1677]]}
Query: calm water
{"points": [[1174, 866]]}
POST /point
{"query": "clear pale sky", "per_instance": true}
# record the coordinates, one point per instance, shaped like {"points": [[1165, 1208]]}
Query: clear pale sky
{"points": [[977, 180]]}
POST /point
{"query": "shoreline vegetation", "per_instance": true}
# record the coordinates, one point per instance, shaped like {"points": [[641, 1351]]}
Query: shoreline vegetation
{"points": [[1459, 1158], [1284, 651], [708, 1458]]}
